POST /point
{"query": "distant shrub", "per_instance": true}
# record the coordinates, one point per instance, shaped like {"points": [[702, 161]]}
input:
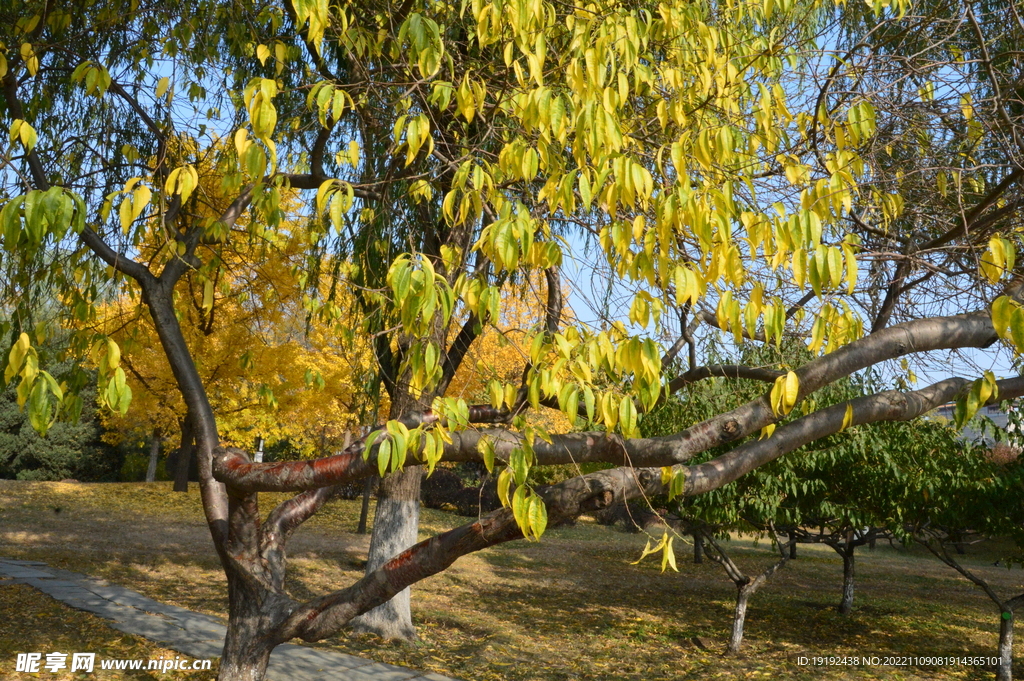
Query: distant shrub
{"points": [[69, 450]]}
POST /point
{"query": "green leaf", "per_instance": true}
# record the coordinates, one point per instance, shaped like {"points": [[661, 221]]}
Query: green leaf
{"points": [[521, 510], [538, 515], [383, 457], [39, 408]]}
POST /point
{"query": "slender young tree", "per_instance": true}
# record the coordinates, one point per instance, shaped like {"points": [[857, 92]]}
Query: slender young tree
{"points": [[746, 585], [970, 492]]}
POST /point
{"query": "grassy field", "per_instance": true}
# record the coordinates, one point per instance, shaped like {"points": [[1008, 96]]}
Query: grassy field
{"points": [[570, 608]]}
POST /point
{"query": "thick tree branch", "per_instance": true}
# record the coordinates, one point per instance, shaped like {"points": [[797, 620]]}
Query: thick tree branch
{"points": [[326, 615], [457, 352], [553, 308], [971, 330], [886, 406]]}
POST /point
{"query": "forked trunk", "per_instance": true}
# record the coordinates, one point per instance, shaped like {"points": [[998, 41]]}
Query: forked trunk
{"points": [[1004, 672], [395, 528], [846, 604], [743, 594]]}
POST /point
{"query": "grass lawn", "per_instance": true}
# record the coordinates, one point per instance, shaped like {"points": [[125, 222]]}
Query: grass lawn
{"points": [[570, 608]]}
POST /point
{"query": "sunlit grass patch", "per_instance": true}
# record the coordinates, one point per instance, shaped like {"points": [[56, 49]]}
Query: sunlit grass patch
{"points": [[569, 607]]}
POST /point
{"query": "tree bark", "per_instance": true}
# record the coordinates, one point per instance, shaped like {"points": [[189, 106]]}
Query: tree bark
{"points": [[792, 545], [246, 648], [698, 548], [1004, 672], [743, 594], [185, 453], [154, 455], [846, 604], [395, 528], [364, 512]]}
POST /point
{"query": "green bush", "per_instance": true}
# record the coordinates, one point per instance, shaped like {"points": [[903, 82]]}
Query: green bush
{"points": [[69, 450]]}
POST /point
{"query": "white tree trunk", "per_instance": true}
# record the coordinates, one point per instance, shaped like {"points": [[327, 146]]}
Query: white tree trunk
{"points": [[846, 604], [395, 528], [1004, 672], [739, 618]]}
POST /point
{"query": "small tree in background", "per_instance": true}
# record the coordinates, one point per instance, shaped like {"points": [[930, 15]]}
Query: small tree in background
{"points": [[967, 492]]}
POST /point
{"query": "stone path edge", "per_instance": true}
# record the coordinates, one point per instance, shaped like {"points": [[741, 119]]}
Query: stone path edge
{"points": [[191, 633]]}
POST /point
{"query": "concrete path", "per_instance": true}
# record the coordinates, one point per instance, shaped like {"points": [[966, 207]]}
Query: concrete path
{"points": [[194, 634]]}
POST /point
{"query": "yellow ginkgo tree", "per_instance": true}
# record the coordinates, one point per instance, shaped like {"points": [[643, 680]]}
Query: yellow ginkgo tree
{"points": [[269, 370], [845, 175]]}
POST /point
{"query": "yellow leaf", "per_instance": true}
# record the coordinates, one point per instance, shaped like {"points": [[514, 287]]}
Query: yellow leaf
{"points": [[504, 481], [1002, 308], [847, 418], [668, 556], [792, 391]]}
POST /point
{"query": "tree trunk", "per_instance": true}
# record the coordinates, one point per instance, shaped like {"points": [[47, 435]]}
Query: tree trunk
{"points": [[395, 528], [792, 545], [698, 548], [1004, 672], [364, 512], [846, 604], [246, 650], [154, 455], [739, 617], [185, 454]]}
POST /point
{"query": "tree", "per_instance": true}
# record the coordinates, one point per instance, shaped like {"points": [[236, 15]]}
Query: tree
{"points": [[446, 153], [971, 493], [268, 373], [746, 586]]}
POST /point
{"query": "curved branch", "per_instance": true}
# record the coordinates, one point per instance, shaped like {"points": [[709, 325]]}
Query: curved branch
{"points": [[326, 615], [90, 238], [971, 330], [886, 406]]}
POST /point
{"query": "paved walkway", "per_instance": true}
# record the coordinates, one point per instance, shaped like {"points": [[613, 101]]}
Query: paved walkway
{"points": [[194, 634]]}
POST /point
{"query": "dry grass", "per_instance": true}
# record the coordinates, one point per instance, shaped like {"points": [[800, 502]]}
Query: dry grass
{"points": [[36, 623], [568, 608]]}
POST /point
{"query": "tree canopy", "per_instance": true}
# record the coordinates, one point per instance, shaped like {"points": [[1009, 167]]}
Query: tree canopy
{"points": [[762, 169]]}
